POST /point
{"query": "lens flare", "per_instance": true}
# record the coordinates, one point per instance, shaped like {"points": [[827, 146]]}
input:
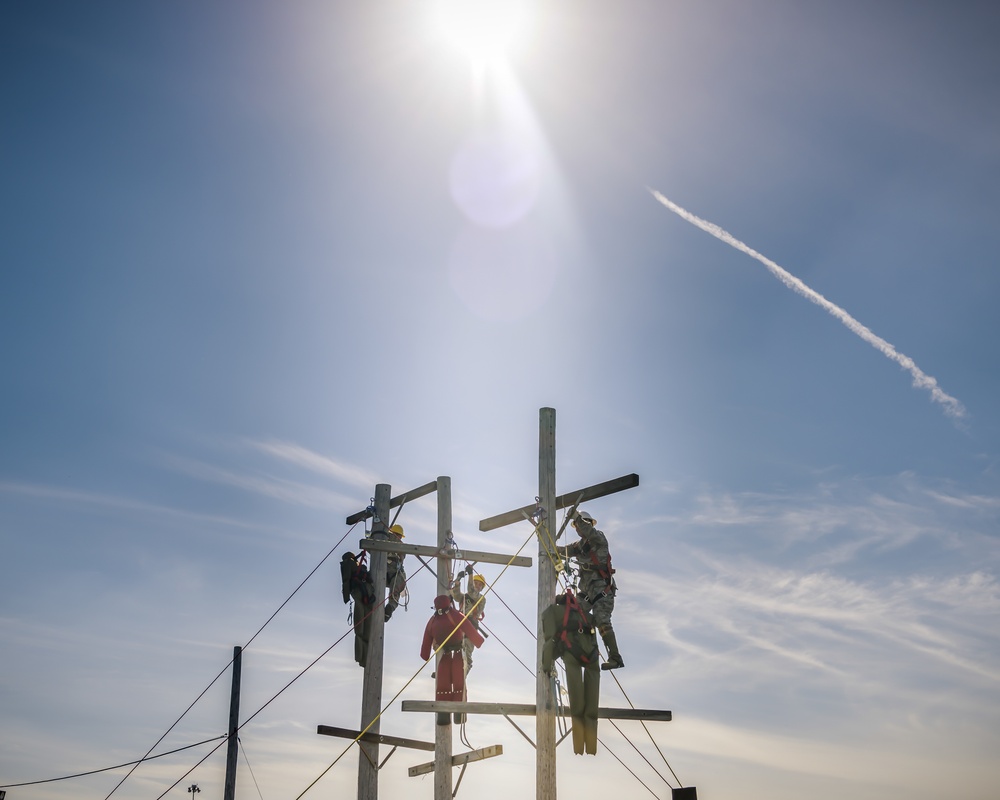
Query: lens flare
{"points": [[484, 30]]}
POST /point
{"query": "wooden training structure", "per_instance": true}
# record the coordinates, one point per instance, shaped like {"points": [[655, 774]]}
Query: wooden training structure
{"points": [[542, 514]]}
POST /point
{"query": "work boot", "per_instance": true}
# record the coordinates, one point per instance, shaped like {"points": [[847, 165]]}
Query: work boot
{"points": [[615, 660], [388, 612]]}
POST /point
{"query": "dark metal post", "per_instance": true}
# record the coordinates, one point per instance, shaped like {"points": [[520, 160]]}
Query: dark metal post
{"points": [[234, 724]]}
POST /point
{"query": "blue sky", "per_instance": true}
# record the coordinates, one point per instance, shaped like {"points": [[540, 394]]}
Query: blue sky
{"points": [[258, 257]]}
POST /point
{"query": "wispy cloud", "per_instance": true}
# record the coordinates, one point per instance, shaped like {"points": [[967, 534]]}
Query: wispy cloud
{"points": [[952, 407], [111, 502], [836, 522], [292, 453], [887, 765], [786, 622], [279, 488]]}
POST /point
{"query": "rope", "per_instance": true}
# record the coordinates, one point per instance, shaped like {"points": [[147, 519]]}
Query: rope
{"points": [[560, 576], [243, 750], [650, 735], [530, 632], [494, 636], [225, 668], [147, 757], [412, 678], [182, 777], [642, 755], [626, 766], [556, 561], [278, 694]]}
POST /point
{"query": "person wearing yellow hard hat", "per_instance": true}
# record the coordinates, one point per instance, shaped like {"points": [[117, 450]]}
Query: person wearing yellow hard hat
{"points": [[470, 602], [395, 575]]}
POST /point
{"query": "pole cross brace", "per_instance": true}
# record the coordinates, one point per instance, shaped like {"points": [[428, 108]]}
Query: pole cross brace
{"points": [[390, 546], [528, 710], [460, 760], [375, 738], [563, 501], [413, 494]]}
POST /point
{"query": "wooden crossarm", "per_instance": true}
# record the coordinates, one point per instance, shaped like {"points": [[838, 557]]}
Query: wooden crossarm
{"points": [[528, 710], [405, 497], [434, 552], [374, 738], [459, 760], [563, 501]]}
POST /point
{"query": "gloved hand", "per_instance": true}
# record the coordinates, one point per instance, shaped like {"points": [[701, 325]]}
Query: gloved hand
{"points": [[469, 570]]}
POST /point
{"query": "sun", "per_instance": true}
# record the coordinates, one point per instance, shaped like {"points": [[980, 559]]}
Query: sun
{"points": [[484, 30]]}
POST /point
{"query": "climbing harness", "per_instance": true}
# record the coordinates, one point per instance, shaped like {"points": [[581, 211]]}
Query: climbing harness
{"points": [[581, 622], [354, 577]]}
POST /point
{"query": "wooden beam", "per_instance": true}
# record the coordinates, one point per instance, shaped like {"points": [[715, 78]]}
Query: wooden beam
{"points": [[443, 744], [376, 738], [563, 501], [528, 710], [371, 687], [462, 758], [545, 701], [436, 552], [405, 497]]}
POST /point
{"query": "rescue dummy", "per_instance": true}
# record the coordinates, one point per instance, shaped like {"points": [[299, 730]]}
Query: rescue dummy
{"points": [[357, 585], [597, 586], [568, 633], [446, 630], [473, 605]]}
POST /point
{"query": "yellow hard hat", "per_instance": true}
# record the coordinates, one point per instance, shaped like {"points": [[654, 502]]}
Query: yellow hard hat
{"points": [[398, 530], [479, 578]]}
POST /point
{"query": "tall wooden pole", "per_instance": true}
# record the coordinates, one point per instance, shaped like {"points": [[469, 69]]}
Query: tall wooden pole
{"points": [[545, 716], [443, 733], [229, 793], [371, 698]]}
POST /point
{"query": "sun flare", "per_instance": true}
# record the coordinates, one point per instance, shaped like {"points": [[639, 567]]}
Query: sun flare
{"points": [[485, 30]]}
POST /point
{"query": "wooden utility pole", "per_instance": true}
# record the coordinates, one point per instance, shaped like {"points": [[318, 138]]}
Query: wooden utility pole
{"points": [[371, 697], [443, 733], [545, 718], [234, 726], [378, 546], [544, 515]]}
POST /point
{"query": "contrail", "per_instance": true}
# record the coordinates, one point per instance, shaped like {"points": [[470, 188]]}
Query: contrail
{"points": [[952, 406]]}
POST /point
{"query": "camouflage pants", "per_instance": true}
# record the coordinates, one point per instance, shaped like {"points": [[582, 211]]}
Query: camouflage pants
{"points": [[593, 598], [395, 582]]}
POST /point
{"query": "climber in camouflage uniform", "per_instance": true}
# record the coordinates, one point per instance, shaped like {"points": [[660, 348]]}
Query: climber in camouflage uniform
{"points": [[395, 575], [597, 584], [470, 602]]}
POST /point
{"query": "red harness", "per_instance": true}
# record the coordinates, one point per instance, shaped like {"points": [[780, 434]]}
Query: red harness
{"points": [[574, 648]]}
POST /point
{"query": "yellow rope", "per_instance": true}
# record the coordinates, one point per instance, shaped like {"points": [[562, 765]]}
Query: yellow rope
{"points": [[557, 563], [384, 708]]}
